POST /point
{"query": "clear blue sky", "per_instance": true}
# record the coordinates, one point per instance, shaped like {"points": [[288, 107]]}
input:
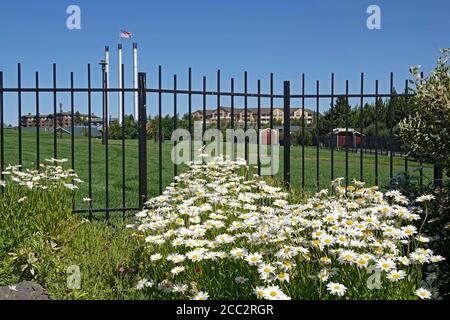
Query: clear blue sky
{"points": [[286, 37]]}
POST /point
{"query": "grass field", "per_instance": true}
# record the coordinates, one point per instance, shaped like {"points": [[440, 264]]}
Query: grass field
{"points": [[131, 171]]}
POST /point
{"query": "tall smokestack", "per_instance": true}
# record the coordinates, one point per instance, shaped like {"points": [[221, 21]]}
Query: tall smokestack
{"points": [[107, 83], [120, 85], [135, 80]]}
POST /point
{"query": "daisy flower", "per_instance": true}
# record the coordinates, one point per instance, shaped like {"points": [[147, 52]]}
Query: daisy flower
{"points": [[177, 270], [336, 288], [437, 258], [362, 262], [259, 292], [254, 259], [195, 255], [404, 260], [265, 270], [201, 296], [395, 275], [425, 198], [144, 283], [155, 257], [326, 240], [324, 275], [238, 253], [409, 230], [347, 256], [423, 293], [274, 293], [180, 288], [325, 260], [282, 277], [385, 264]]}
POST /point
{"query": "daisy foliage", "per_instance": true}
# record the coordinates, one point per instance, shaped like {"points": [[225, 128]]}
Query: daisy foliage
{"points": [[212, 229]]}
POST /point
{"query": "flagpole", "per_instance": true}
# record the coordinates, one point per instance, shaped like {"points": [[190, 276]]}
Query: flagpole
{"points": [[120, 82], [135, 80], [107, 83]]}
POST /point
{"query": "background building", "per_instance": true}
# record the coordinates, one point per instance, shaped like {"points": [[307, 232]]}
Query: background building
{"points": [[252, 115], [63, 120]]}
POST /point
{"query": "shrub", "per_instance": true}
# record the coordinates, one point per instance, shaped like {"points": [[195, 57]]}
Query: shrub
{"points": [[297, 138], [427, 131]]}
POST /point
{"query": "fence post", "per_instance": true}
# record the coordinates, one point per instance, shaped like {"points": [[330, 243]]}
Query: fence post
{"points": [[438, 175], [142, 119], [287, 133]]}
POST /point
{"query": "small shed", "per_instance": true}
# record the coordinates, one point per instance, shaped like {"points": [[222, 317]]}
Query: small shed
{"points": [[350, 138], [268, 137]]}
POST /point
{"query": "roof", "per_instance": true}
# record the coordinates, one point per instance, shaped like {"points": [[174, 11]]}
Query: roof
{"points": [[343, 130], [301, 108], [237, 110], [62, 130], [29, 116]]}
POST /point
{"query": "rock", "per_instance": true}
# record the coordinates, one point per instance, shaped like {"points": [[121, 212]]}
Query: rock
{"points": [[23, 291]]}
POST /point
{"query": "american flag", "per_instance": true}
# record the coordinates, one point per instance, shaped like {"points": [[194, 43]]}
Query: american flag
{"points": [[126, 34]]}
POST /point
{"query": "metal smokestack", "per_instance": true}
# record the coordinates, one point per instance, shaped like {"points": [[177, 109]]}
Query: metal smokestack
{"points": [[107, 83], [120, 84], [135, 80]]}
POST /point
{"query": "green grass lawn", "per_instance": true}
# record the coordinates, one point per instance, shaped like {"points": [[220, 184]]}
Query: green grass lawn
{"points": [[131, 171]]}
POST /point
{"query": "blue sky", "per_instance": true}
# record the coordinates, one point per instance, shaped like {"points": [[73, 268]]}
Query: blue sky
{"points": [[286, 37]]}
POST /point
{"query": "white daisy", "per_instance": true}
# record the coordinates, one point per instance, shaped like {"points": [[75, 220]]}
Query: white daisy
{"points": [[274, 293], [201, 296], [423, 293], [336, 288], [385, 264], [259, 292], [254, 259], [425, 198], [144, 283], [155, 257], [265, 271], [177, 270], [395, 275]]}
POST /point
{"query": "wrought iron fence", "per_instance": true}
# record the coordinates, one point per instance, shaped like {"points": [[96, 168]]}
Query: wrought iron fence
{"points": [[321, 151]]}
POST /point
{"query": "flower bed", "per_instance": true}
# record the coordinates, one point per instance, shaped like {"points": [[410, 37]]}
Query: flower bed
{"points": [[212, 234]]}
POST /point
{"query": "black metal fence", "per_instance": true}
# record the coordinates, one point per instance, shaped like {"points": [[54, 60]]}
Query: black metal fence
{"points": [[323, 154]]}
